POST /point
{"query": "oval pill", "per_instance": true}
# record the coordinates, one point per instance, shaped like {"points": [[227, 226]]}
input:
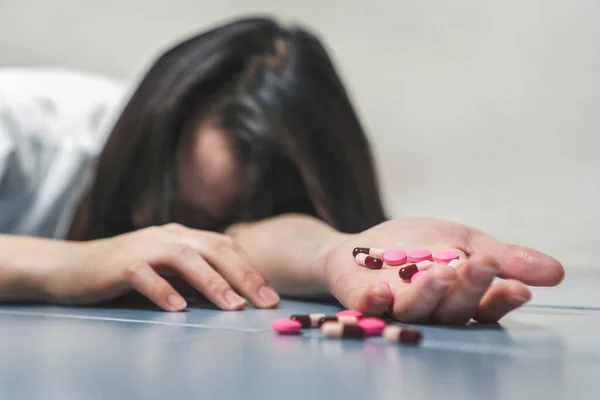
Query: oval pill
{"points": [[372, 326], [287, 326], [454, 263], [349, 313], [420, 255], [423, 265], [446, 256], [416, 276], [395, 257], [407, 272]]}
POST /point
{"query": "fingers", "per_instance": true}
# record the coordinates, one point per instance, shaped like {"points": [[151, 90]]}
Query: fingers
{"points": [[527, 265], [197, 272], [462, 301], [143, 279], [502, 298], [416, 302], [228, 259], [375, 300]]}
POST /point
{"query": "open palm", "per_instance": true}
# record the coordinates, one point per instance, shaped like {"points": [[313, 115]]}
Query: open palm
{"points": [[442, 294]]}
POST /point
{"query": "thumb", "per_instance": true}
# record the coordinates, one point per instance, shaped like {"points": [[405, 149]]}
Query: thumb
{"points": [[527, 265]]}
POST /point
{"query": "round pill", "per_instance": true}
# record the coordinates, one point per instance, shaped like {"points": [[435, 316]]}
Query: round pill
{"points": [[446, 256], [395, 257], [286, 326], [416, 276], [420, 255], [372, 326], [349, 313]]}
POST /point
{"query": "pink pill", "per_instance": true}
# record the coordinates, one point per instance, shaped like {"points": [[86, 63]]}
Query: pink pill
{"points": [[446, 256], [286, 326], [420, 255], [372, 326], [349, 313], [394, 257], [416, 276]]}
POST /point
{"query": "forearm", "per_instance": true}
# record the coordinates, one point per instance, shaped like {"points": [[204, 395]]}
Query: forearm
{"points": [[290, 251], [24, 261]]}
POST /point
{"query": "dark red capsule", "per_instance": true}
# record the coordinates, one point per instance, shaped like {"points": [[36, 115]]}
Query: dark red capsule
{"points": [[410, 336], [326, 319], [373, 263], [303, 319], [407, 272], [357, 250], [333, 330]]}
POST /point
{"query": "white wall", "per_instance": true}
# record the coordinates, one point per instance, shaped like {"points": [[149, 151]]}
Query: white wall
{"points": [[486, 112]]}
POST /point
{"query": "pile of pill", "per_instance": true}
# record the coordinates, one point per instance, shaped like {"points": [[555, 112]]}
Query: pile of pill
{"points": [[419, 260], [348, 324]]}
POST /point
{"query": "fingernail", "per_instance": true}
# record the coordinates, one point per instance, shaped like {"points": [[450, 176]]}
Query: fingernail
{"points": [[384, 283], [440, 285], [482, 275], [519, 299], [176, 301], [233, 298], [268, 295]]}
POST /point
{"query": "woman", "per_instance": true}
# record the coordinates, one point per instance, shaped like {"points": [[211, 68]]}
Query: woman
{"points": [[240, 166]]}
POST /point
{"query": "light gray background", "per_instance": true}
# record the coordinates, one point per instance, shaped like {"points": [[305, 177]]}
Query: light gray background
{"points": [[485, 112]]}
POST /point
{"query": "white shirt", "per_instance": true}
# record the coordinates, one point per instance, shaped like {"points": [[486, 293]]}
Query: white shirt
{"points": [[53, 125]]}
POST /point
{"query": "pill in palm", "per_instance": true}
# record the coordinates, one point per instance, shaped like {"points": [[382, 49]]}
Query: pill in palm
{"points": [[368, 261], [373, 252], [308, 321], [395, 257], [423, 265], [334, 330], [349, 313], [420, 255], [416, 276], [407, 272], [287, 326], [446, 256], [343, 319], [454, 263], [372, 326], [398, 334]]}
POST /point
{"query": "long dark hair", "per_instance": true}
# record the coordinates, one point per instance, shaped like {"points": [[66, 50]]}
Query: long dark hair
{"points": [[276, 93]]}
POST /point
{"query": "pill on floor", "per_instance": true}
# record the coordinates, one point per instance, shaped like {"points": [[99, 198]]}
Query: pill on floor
{"points": [[420, 255], [446, 256], [423, 265], [351, 313], [372, 326], [454, 263], [373, 252], [398, 334], [395, 257], [287, 326], [407, 272], [308, 321], [334, 330], [416, 276], [368, 261], [344, 319]]}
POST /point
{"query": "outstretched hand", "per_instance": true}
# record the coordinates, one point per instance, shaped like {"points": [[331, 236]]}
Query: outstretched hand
{"points": [[442, 294]]}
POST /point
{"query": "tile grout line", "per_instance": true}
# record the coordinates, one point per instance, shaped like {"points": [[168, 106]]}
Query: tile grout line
{"points": [[135, 321]]}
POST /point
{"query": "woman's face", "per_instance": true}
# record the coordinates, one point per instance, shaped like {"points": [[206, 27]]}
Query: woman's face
{"points": [[208, 177]]}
